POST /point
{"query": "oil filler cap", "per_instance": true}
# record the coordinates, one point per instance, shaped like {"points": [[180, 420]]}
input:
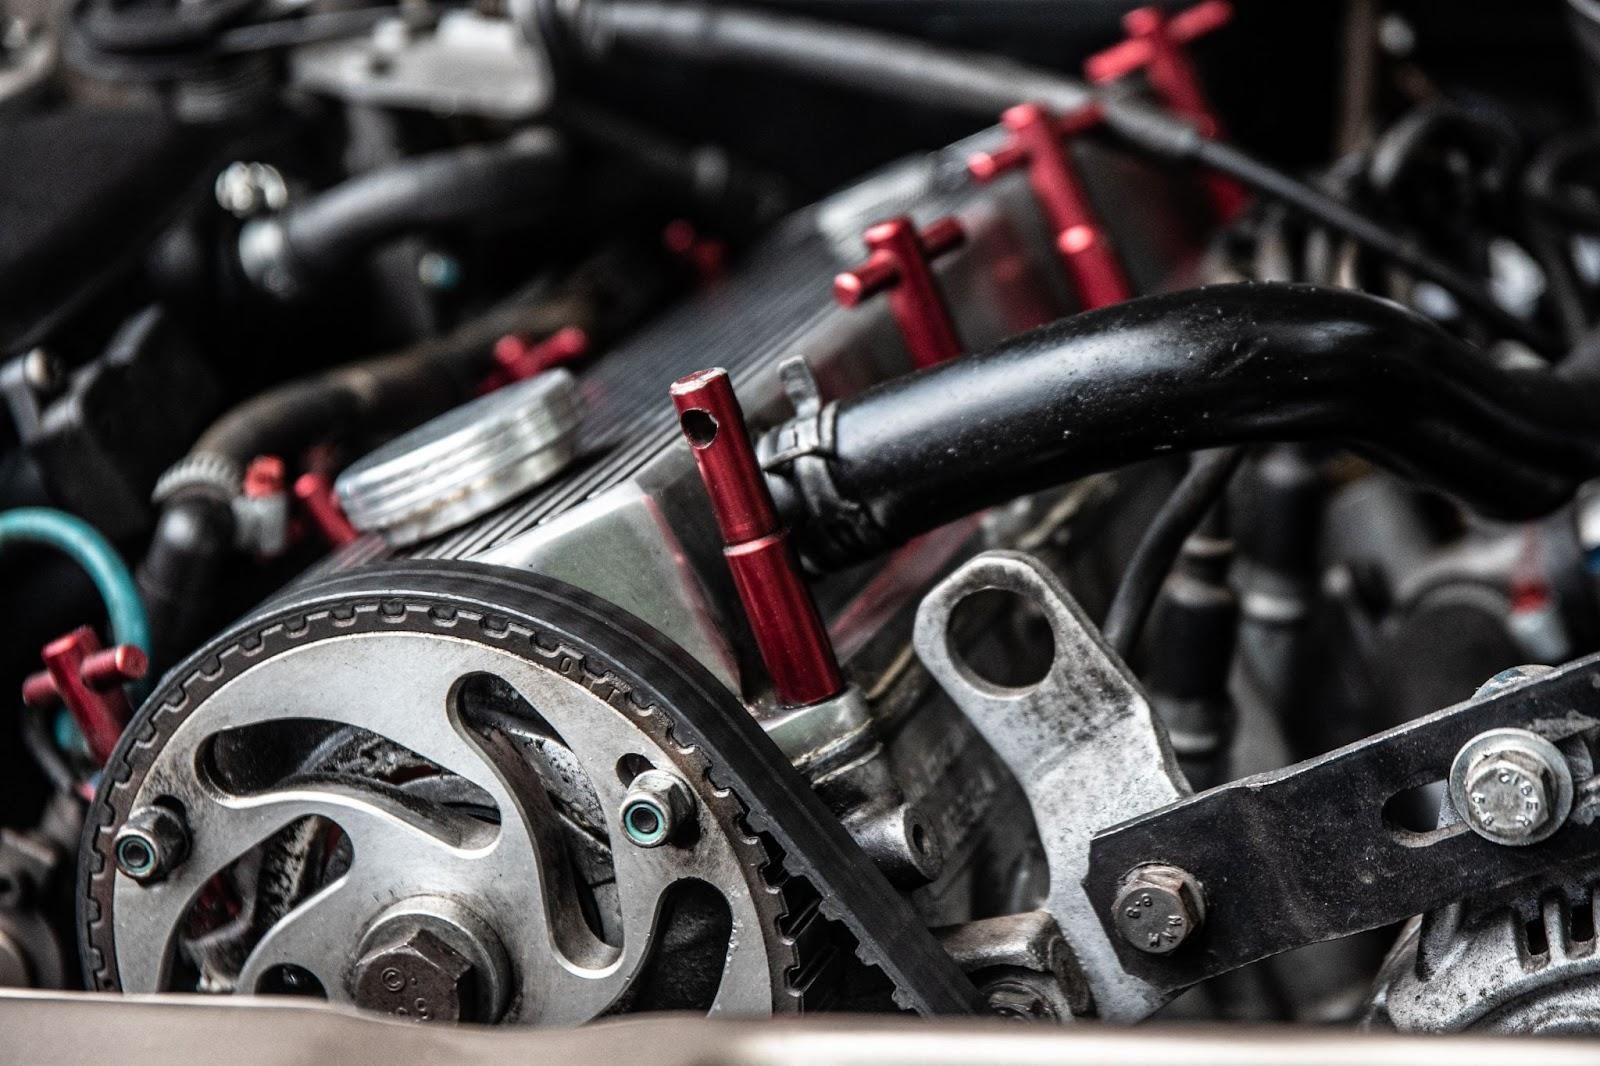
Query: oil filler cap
{"points": [[466, 462]]}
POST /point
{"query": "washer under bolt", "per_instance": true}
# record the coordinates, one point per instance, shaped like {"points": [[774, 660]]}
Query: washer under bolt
{"points": [[656, 809], [1159, 908], [1511, 786], [151, 843]]}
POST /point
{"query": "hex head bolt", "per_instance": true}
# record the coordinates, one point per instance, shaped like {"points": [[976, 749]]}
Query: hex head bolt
{"points": [[900, 264], [152, 843], [1158, 908], [783, 617], [1156, 43], [657, 809], [88, 679], [417, 976], [1511, 786], [1081, 240]]}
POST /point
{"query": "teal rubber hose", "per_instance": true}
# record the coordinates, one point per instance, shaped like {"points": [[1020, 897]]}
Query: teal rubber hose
{"points": [[85, 546]]}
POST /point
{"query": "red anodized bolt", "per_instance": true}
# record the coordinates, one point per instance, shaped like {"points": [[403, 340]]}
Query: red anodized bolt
{"points": [[783, 617], [88, 679], [900, 264], [1080, 239], [1156, 44]]}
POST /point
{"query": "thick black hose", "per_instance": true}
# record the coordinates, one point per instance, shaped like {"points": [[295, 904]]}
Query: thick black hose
{"points": [[914, 71], [315, 237], [607, 294], [1151, 562], [1206, 368]]}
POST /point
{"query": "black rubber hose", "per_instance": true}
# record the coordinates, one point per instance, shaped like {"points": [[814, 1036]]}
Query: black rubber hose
{"points": [[1206, 368], [1152, 560], [890, 65], [315, 237], [194, 536]]}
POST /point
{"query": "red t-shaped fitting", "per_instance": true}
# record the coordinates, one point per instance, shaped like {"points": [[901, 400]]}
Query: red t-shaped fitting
{"points": [[783, 617], [1080, 239], [315, 493], [1156, 43], [901, 264], [88, 679]]}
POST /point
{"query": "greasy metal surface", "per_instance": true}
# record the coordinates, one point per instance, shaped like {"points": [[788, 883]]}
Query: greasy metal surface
{"points": [[400, 684], [377, 657], [1308, 854], [61, 1029], [1083, 742], [1486, 976]]}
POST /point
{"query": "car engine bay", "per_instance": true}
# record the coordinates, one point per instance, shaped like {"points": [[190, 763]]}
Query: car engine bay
{"points": [[542, 513]]}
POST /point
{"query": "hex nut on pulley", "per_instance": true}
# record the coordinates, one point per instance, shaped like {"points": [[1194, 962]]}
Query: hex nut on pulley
{"points": [[1511, 786], [656, 809], [1158, 908], [151, 843]]}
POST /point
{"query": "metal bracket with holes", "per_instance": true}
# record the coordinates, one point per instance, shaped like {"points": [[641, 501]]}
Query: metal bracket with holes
{"points": [[1306, 853], [1273, 862], [1083, 742]]}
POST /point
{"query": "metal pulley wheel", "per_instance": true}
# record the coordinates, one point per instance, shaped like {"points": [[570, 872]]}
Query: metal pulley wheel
{"points": [[442, 791]]}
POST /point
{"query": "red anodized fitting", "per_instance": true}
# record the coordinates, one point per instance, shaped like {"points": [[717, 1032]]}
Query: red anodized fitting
{"points": [[1156, 44], [1080, 239], [315, 493], [783, 617], [265, 476], [88, 679], [900, 263], [516, 358]]}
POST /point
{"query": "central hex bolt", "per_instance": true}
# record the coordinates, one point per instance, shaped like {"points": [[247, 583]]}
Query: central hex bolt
{"points": [[1158, 908], [417, 976], [656, 809], [1511, 786]]}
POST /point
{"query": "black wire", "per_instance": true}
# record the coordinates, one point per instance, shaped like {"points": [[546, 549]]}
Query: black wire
{"points": [[1163, 539], [39, 744], [1276, 185], [902, 68]]}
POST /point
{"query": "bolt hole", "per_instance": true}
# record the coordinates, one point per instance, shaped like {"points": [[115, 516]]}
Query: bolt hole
{"points": [[1002, 638], [1415, 810], [645, 822], [919, 838], [1583, 922], [631, 766], [699, 427], [1538, 943], [287, 979], [135, 857]]}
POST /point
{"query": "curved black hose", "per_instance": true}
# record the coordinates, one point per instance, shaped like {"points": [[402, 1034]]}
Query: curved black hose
{"points": [[1179, 516], [315, 237], [195, 532], [890, 65], [1230, 364]]}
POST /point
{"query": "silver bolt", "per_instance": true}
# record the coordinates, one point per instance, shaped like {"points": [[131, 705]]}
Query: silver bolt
{"points": [[656, 809], [417, 976], [1159, 908], [151, 844], [41, 370], [1511, 786]]}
